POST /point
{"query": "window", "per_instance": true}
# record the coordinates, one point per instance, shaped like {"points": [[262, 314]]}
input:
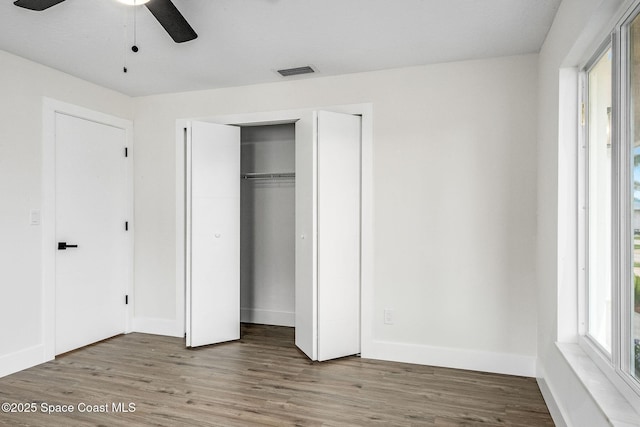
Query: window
{"points": [[610, 207], [599, 183]]}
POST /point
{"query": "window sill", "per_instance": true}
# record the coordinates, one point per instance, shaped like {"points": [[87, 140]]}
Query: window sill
{"points": [[615, 407]]}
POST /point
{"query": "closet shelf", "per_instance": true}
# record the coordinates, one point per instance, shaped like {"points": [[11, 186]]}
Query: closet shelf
{"points": [[262, 176]]}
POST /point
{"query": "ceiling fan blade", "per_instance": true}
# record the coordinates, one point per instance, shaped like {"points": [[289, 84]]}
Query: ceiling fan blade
{"points": [[172, 20], [37, 5]]}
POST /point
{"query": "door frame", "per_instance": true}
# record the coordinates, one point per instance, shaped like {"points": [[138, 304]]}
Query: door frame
{"points": [[51, 107], [364, 110]]}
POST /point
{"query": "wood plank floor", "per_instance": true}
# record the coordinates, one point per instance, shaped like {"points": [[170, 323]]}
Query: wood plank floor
{"points": [[260, 380]]}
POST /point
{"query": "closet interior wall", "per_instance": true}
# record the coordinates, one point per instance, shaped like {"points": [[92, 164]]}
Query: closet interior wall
{"points": [[267, 225]]}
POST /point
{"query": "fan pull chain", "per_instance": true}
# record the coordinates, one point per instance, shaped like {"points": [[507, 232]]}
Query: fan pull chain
{"points": [[124, 40], [134, 48]]}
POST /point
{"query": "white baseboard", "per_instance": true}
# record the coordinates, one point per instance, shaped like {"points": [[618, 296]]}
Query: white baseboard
{"points": [[552, 404], [167, 327], [23, 359], [267, 317], [474, 360]]}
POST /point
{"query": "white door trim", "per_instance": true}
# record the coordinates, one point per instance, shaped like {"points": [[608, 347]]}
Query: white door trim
{"points": [[367, 238], [50, 107]]}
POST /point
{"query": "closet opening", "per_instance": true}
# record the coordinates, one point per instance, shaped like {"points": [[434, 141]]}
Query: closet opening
{"points": [[267, 224], [271, 213]]}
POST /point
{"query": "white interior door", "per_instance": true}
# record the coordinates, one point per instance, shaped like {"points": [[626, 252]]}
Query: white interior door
{"points": [[213, 234], [328, 235], [91, 207], [338, 139], [306, 303]]}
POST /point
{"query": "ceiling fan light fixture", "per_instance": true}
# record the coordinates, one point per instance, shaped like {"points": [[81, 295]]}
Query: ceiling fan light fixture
{"points": [[164, 11], [133, 2]]}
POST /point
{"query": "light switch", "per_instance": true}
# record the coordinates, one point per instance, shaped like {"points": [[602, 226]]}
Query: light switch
{"points": [[388, 316], [34, 217]]}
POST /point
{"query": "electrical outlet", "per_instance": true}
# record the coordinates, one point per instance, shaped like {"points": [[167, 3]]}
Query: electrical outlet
{"points": [[388, 316]]}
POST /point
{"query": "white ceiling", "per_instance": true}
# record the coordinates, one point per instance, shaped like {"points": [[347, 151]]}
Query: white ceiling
{"points": [[243, 42]]}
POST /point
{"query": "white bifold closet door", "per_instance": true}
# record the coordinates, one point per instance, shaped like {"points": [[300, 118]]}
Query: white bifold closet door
{"points": [[328, 235], [213, 234], [338, 235], [327, 318]]}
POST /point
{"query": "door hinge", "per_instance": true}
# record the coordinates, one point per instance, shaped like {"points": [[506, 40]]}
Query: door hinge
{"points": [[126, 151], [126, 299], [126, 226], [582, 115]]}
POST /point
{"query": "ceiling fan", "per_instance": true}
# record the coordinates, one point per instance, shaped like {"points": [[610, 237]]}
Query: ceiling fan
{"points": [[163, 10]]}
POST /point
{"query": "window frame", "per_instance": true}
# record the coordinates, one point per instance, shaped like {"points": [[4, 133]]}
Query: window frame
{"points": [[616, 366], [583, 198]]}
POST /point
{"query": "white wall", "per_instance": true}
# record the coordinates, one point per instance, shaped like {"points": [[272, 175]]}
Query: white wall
{"points": [[454, 195], [22, 85], [267, 226]]}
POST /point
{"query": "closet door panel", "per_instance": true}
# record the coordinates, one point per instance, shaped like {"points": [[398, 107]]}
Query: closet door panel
{"points": [[338, 235], [306, 303], [213, 249]]}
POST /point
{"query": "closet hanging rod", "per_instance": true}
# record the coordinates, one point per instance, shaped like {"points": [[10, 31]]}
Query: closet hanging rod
{"points": [[283, 175]]}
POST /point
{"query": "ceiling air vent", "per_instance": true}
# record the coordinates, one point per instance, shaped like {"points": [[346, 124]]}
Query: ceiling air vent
{"points": [[295, 71]]}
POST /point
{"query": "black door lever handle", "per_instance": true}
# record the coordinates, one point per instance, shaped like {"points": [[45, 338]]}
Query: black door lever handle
{"points": [[63, 246]]}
